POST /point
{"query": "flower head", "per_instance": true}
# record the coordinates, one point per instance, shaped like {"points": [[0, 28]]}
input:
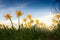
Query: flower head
{"points": [[18, 13], [7, 16], [28, 24], [29, 16], [24, 25], [24, 19], [57, 16], [54, 21], [37, 21], [31, 21], [1, 25]]}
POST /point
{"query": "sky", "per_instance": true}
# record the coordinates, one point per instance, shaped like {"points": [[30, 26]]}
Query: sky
{"points": [[40, 9]]}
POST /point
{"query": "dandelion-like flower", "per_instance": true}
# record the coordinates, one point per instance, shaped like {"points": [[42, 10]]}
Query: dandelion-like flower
{"points": [[37, 21], [57, 16], [24, 19], [54, 26], [31, 21], [24, 25], [18, 13], [8, 16], [0, 24], [55, 22], [28, 24], [29, 16]]}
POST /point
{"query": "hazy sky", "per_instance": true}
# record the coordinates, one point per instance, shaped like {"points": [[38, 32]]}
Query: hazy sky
{"points": [[37, 8]]}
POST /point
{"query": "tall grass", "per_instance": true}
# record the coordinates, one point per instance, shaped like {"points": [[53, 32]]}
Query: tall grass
{"points": [[29, 34]]}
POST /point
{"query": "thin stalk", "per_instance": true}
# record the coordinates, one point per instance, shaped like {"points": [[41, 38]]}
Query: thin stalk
{"points": [[58, 20], [11, 23], [18, 22]]}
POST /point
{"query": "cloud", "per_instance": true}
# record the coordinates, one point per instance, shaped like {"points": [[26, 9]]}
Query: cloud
{"points": [[12, 3]]}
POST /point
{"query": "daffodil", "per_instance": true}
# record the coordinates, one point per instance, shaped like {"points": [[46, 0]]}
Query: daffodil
{"points": [[37, 21], [43, 25], [8, 16], [29, 16], [55, 22], [1, 25], [24, 25], [29, 25], [19, 13], [24, 19], [54, 26], [57, 16], [31, 21]]}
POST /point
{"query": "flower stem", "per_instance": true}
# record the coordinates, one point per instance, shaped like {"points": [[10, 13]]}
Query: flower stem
{"points": [[58, 20], [18, 22], [11, 23]]}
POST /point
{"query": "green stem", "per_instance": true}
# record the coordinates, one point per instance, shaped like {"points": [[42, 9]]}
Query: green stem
{"points": [[58, 20], [11, 23], [18, 22]]}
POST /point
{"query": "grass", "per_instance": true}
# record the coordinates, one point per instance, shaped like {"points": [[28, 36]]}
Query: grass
{"points": [[29, 34]]}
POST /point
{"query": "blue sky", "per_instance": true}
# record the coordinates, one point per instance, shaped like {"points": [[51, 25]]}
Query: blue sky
{"points": [[37, 8]]}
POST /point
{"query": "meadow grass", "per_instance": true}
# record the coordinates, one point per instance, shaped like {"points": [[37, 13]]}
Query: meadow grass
{"points": [[29, 34]]}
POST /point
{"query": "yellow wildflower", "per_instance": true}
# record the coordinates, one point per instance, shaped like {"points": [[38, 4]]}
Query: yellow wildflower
{"points": [[1, 24], [54, 21], [8, 16], [57, 16], [24, 25], [31, 21], [28, 24], [54, 26], [37, 21], [29, 16], [18, 13], [24, 20]]}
